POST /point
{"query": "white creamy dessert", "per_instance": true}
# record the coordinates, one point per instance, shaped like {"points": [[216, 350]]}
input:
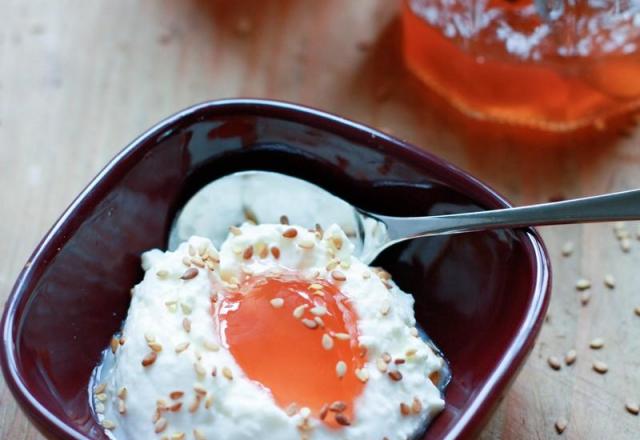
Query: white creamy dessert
{"points": [[174, 374]]}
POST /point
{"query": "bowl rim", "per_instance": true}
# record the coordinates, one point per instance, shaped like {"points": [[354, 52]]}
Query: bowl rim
{"points": [[471, 420]]}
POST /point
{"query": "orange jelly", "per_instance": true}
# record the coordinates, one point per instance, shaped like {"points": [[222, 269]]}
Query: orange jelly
{"points": [[274, 345]]}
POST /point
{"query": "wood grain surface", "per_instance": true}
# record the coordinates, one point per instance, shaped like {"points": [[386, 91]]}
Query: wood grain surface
{"points": [[80, 79]]}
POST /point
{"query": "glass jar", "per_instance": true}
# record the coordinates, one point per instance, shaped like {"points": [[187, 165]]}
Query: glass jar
{"points": [[555, 65]]}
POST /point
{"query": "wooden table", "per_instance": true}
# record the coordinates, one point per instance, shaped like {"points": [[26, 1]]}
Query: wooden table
{"points": [[70, 72]]}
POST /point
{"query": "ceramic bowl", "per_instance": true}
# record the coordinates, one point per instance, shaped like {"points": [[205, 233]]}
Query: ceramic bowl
{"points": [[480, 296]]}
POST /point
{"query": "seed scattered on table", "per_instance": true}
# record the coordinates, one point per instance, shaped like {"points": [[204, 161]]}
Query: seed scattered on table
{"points": [[570, 357], [341, 369], [609, 281], [600, 367], [554, 362], [583, 284], [632, 407], [625, 245], [561, 425], [585, 297], [596, 343], [277, 303], [637, 311], [567, 249]]}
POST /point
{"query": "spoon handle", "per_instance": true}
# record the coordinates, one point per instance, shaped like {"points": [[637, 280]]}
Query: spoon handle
{"points": [[608, 207]]}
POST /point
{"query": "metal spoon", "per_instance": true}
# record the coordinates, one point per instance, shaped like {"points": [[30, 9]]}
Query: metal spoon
{"points": [[264, 196]]}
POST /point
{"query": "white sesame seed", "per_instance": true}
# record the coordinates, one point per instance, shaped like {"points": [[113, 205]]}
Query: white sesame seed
{"points": [[198, 435], [632, 406], [366, 275], [235, 230], [583, 284], [609, 281], [122, 392], [567, 249], [277, 303], [625, 245], [149, 337], [304, 412], [299, 311], [341, 369], [122, 407], [411, 352], [310, 323], [342, 336], [200, 371], [182, 346], [160, 425], [186, 325], [318, 311], [319, 321], [315, 286], [570, 357], [162, 274], [327, 342], [381, 365], [596, 343], [385, 308], [291, 410], [100, 408], [101, 397], [108, 424], [211, 346], [600, 367], [554, 362], [362, 374], [226, 372], [186, 309], [413, 331], [338, 276], [585, 297], [100, 388], [306, 244], [561, 425]]}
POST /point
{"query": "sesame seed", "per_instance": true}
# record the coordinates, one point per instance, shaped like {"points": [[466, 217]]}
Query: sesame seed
{"points": [[600, 367], [149, 359], [291, 410], [315, 286], [277, 303], [299, 311], [366, 275], [186, 325], [310, 323], [155, 346], [305, 412], [416, 405], [262, 250], [413, 332], [323, 411], [327, 342], [160, 425], [100, 408], [200, 371], [345, 264], [108, 424], [235, 230], [195, 404], [181, 347], [122, 393], [178, 436], [554, 362], [248, 253], [570, 357], [290, 233], [214, 371], [341, 369], [101, 397], [395, 375], [596, 343], [411, 352], [405, 410], [197, 261], [609, 281], [192, 250], [100, 388], [625, 245], [211, 346], [362, 374], [399, 361], [337, 242], [189, 274], [637, 311], [226, 372], [208, 403], [198, 435], [338, 276], [338, 406], [175, 395], [115, 343], [632, 407], [284, 220], [561, 425], [386, 357], [583, 284], [567, 249], [162, 274], [381, 365], [275, 251], [306, 244], [318, 311], [331, 265], [176, 407], [341, 419], [200, 390], [385, 308], [585, 297], [122, 407]]}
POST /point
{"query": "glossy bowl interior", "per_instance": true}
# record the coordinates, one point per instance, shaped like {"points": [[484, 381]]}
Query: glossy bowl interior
{"points": [[480, 296]]}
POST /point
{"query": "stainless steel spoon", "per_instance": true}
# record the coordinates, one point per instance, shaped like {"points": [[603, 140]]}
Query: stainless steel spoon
{"points": [[264, 197]]}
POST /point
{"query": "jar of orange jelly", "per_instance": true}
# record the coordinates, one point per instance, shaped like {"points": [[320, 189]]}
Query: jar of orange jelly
{"points": [[555, 65]]}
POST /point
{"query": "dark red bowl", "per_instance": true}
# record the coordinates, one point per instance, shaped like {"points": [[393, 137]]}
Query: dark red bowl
{"points": [[480, 296]]}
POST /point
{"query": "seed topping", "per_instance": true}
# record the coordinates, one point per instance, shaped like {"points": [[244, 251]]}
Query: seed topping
{"points": [[189, 274]]}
